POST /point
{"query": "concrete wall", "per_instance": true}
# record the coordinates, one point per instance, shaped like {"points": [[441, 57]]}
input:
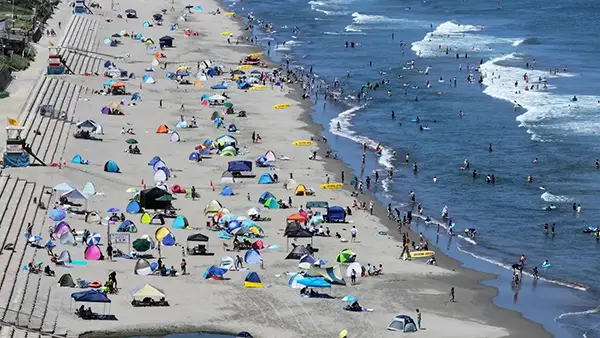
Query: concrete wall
{"points": [[5, 78]]}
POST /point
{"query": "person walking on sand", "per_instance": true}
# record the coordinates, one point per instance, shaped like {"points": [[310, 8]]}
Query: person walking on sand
{"points": [[182, 107], [371, 207], [418, 319], [183, 266], [160, 103], [109, 252], [353, 233], [254, 137], [29, 229], [452, 295], [353, 277]]}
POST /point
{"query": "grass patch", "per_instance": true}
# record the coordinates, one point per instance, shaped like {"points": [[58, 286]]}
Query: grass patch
{"points": [[4, 95], [14, 62]]}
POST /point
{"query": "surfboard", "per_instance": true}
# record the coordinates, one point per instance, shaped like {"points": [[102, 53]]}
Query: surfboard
{"points": [[303, 143], [257, 87], [244, 66], [225, 33], [421, 254], [414, 121], [281, 106], [332, 186], [255, 55]]}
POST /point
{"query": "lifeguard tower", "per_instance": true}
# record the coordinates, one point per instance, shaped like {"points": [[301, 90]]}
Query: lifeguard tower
{"points": [[15, 154], [56, 65]]}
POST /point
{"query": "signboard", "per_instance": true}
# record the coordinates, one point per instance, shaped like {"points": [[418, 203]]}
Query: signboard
{"points": [[120, 238], [14, 148]]}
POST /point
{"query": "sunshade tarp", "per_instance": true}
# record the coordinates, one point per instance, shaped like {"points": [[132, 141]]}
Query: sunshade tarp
{"points": [[239, 166], [148, 291], [90, 296]]}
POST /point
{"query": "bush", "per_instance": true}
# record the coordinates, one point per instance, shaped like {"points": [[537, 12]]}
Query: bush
{"points": [[4, 95], [17, 62]]}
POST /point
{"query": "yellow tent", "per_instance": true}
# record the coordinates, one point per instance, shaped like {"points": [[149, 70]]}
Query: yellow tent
{"points": [[300, 190], [197, 84], [148, 291], [146, 218], [212, 207], [161, 233]]}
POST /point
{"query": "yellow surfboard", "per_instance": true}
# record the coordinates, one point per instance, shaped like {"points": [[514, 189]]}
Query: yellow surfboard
{"points": [[255, 55], [225, 33], [303, 143], [229, 14], [257, 87], [421, 254], [244, 66], [332, 186], [281, 106]]}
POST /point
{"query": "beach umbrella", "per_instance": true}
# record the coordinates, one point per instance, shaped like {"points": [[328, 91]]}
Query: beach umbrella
{"points": [[131, 190], [113, 210], [344, 256], [93, 239], [320, 262], [57, 215], [228, 105], [253, 211], [142, 244], [131, 141], [350, 299]]}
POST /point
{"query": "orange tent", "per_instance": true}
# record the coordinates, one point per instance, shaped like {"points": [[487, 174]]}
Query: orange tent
{"points": [[117, 84], [162, 129], [296, 217]]}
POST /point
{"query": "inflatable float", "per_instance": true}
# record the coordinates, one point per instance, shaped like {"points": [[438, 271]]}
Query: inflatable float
{"points": [[255, 55], [547, 265], [244, 67], [421, 254], [332, 186], [281, 106], [303, 143]]}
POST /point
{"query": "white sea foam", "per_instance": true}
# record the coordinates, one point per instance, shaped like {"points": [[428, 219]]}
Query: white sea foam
{"points": [[345, 120], [518, 42], [539, 108], [293, 43], [548, 197], [458, 38], [352, 28]]}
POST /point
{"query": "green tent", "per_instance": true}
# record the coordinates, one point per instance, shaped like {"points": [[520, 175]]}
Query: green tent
{"points": [[271, 203], [228, 105], [345, 256], [228, 151]]}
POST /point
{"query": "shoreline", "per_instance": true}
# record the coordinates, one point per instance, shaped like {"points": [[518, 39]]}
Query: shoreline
{"points": [[472, 278]]}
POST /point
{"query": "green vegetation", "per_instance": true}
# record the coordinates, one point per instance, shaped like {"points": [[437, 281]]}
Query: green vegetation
{"points": [[14, 62], [4, 95]]}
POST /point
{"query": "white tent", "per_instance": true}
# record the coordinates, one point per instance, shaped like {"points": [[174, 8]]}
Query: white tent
{"points": [[64, 187], [227, 177], [155, 62], [148, 291], [89, 189], [160, 176], [201, 77], [175, 137], [290, 184], [76, 194], [148, 79], [227, 263], [95, 126], [356, 266], [217, 97]]}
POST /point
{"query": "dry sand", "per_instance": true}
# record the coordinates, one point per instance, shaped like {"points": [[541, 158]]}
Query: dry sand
{"points": [[225, 306]]}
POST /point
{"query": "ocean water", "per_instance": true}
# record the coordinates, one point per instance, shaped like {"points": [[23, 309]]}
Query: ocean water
{"points": [[500, 39]]}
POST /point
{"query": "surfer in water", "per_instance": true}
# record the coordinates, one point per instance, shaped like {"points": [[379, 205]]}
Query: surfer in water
{"points": [[339, 127]]}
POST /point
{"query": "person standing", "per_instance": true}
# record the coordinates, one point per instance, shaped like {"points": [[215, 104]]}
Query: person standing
{"points": [[452, 299], [353, 233], [160, 103], [29, 229], [353, 277], [371, 207], [183, 266], [418, 319], [109, 252], [342, 177], [193, 193]]}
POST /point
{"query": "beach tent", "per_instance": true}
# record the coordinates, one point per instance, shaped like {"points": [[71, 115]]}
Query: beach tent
{"points": [[160, 176], [154, 160], [90, 296], [175, 137], [162, 234], [239, 166], [63, 187], [252, 257], [226, 191], [133, 207], [61, 228], [270, 156], [181, 124], [76, 194], [166, 41], [227, 177], [92, 217], [161, 165], [402, 323], [265, 196], [158, 219], [142, 267], [226, 140], [127, 226], [212, 207], [300, 190], [310, 259], [145, 218], [253, 281], [293, 281], [331, 274], [298, 252], [221, 85], [227, 263], [266, 178], [67, 238], [214, 272], [66, 281], [194, 157], [244, 85], [271, 203], [297, 217], [228, 151], [148, 291], [77, 159], [148, 79], [93, 253], [336, 214], [290, 184], [150, 199], [232, 128], [162, 129], [65, 257], [111, 167], [317, 204], [181, 222], [314, 282], [354, 266], [89, 189]]}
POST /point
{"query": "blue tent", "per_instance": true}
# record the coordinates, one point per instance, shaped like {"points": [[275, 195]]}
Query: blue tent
{"points": [[239, 166], [111, 167], [168, 240], [336, 214], [154, 160], [314, 282], [204, 97], [194, 157], [232, 128], [139, 36], [252, 257], [212, 72], [158, 164], [247, 223], [180, 222], [227, 191], [219, 86], [261, 160], [91, 296], [265, 196], [266, 178], [109, 83], [107, 64], [77, 159], [244, 85], [170, 75], [252, 277], [133, 207], [215, 271], [307, 258], [233, 225], [136, 97]]}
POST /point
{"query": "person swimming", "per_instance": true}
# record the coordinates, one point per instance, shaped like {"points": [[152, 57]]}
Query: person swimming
{"points": [[574, 99]]}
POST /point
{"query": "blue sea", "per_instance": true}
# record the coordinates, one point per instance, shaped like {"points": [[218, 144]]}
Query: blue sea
{"points": [[533, 57]]}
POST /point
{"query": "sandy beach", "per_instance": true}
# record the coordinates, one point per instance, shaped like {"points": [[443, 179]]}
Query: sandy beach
{"points": [[38, 306]]}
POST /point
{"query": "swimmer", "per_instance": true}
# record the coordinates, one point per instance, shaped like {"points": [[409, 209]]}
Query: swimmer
{"points": [[545, 263], [471, 232], [435, 179], [536, 274], [535, 161], [389, 93], [490, 148], [597, 164], [393, 115], [529, 178], [578, 208], [574, 99], [339, 127]]}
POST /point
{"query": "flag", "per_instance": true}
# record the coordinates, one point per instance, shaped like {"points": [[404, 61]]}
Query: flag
{"points": [[12, 122]]}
